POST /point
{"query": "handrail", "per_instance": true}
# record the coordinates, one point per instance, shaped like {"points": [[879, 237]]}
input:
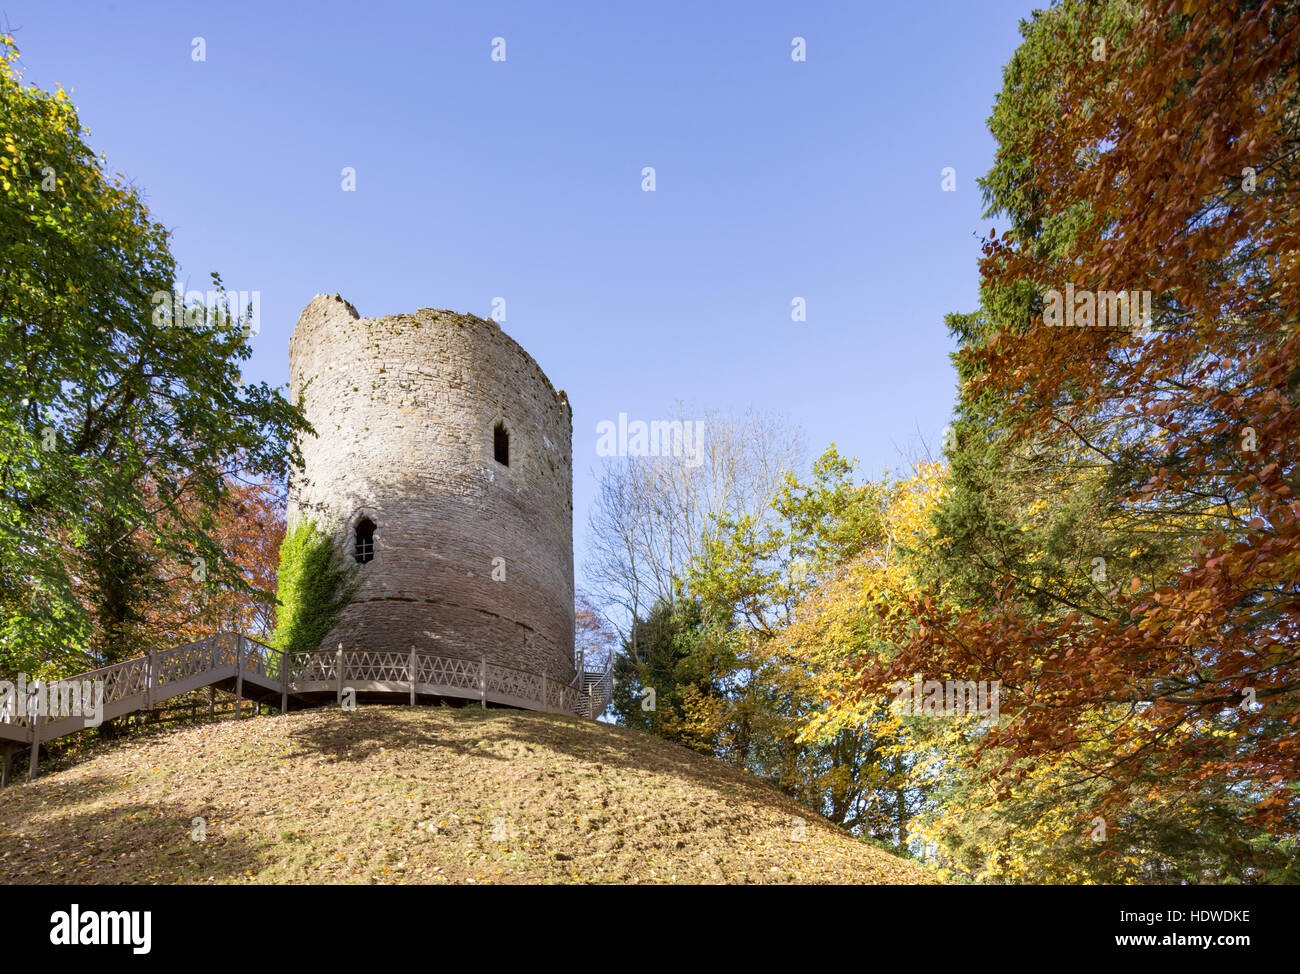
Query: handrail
{"points": [[156, 670], [454, 672], [131, 685]]}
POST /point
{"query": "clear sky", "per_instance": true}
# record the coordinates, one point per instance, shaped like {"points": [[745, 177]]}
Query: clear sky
{"points": [[522, 179]]}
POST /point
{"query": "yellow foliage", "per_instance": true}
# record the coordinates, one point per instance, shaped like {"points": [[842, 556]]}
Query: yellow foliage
{"points": [[831, 630]]}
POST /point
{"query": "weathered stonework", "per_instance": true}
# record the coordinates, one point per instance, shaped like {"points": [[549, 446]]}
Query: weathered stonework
{"points": [[404, 409]]}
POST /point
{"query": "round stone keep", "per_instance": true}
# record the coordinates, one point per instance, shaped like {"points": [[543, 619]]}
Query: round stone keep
{"points": [[442, 467]]}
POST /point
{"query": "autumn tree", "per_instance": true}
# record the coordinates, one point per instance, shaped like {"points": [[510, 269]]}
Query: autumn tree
{"points": [[249, 526], [1120, 545], [123, 415], [662, 687], [782, 596], [652, 521]]}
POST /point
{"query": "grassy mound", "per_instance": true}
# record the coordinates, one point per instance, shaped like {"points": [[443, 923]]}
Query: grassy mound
{"points": [[419, 795]]}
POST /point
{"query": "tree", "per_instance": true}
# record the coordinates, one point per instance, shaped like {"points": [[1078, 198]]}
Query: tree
{"points": [[652, 683], [123, 415], [595, 640], [1054, 825], [653, 513], [249, 525], [781, 595], [1120, 547]]}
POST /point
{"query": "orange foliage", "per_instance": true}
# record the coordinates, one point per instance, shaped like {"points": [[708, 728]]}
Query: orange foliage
{"points": [[249, 527], [1179, 154]]}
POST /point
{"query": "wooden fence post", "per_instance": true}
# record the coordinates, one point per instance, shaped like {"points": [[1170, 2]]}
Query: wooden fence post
{"points": [[284, 682], [338, 673], [410, 672], [482, 681], [36, 740], [212, 702], [149, 680], [239, 677]]}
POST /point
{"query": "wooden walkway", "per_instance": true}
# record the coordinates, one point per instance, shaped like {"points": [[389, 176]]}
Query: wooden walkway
{"points": [[253, 671]]}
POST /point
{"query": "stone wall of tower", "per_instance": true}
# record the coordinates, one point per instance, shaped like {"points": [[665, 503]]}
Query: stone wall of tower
{"points": [[404, 408]]}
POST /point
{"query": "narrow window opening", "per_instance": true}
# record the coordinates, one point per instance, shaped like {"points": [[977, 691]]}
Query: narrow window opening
{"points": [[365, 547], [501, 444]]}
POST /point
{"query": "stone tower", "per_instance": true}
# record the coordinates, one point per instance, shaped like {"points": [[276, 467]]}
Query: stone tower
{"points": [[442, 466]]}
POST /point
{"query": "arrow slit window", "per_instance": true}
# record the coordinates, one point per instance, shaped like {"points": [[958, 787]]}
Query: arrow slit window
{"points": [[501, 444]]}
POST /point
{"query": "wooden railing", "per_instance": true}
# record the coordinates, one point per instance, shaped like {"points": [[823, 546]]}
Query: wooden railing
{"points": [[419, 671], [599, 690], [306, 678]]}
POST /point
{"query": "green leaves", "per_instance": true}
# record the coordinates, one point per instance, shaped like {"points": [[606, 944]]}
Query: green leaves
{"points": [[117, 431], [313, 586]]}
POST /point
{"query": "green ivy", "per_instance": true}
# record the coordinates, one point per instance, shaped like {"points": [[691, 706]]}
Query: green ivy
{"points": [[313, 586]]}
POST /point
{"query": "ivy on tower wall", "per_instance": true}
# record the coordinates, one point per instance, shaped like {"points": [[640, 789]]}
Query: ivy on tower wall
{"points": [[313, 585]]}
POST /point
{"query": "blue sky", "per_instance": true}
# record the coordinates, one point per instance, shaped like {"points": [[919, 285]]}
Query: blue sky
{"points": [[521, 179]]}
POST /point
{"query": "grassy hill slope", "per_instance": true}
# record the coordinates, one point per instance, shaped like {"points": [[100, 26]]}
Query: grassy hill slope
{"points": [[422, 795]]}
